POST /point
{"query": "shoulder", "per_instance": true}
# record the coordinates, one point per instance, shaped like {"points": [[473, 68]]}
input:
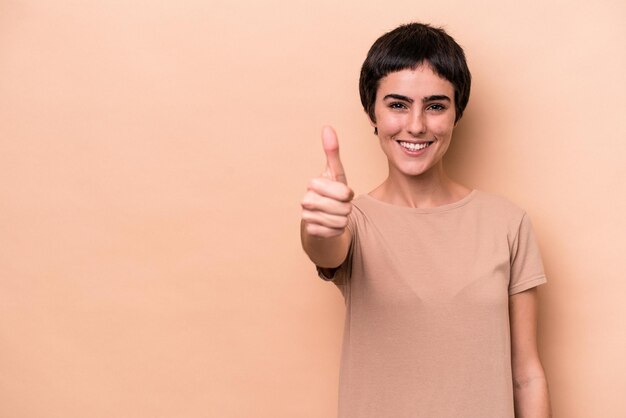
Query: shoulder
{"points": [[496, 205], [499, 213], [364, 206], [361, 212]]}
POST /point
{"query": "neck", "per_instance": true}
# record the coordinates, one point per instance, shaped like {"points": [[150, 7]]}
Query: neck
{"points": [[430, 189]]}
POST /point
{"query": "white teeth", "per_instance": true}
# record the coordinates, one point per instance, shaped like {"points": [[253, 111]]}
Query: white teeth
{"points": [[413, 147]]}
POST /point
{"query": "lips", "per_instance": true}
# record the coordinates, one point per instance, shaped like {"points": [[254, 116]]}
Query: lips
{"points": [[414, 146]]}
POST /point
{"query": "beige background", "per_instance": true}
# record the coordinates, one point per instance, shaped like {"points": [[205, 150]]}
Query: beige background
{"points": [[152, 160]]}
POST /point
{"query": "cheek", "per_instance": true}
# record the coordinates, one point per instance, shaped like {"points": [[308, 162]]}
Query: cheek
{"points": [[443, 128], [388, 123]]}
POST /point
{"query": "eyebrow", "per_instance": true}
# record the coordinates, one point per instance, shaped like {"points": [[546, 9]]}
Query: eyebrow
{"points": [[424, 99]]}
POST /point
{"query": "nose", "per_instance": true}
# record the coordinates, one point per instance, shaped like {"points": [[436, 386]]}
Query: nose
{"points": [[417, 123]]}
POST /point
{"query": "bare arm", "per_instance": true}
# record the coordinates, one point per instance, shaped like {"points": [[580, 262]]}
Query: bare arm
{"points": [[325, 209], [326, 252], [530, 386]]}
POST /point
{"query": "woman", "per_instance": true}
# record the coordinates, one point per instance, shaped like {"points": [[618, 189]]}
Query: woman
{"points": [[439, 280]]}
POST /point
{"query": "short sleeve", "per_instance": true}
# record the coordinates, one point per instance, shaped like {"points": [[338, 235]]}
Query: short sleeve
{"points": [[526, 264]]}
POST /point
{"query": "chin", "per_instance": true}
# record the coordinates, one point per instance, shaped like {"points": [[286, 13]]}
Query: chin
{"points": [[413, 171]]}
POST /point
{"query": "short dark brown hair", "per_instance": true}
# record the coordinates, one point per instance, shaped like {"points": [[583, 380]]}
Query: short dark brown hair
{"points": [[407, 47]]}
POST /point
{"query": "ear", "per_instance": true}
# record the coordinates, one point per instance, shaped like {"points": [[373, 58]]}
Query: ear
{"points": [[372, 123], [456, 121]]}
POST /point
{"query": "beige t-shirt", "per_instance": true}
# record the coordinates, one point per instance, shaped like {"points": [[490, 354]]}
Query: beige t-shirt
{"points": [[427, 323]]}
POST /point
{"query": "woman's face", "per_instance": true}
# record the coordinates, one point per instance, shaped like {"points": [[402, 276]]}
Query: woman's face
{"points": [[415, 118]]}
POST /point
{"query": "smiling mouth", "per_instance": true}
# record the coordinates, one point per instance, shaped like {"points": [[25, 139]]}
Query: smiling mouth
{"points": [[412, 146]]}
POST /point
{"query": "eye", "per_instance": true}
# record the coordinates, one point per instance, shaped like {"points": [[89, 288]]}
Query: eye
{"points": [[436, 107], [397, 105]]}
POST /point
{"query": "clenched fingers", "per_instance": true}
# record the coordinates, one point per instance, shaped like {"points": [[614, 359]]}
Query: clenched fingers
{"points": [[325, 219], [316, 202], [331, 189], [322, 231]]}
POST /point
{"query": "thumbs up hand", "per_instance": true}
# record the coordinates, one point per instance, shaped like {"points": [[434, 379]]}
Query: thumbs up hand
{"points": [[334, 168], [327, 202]]}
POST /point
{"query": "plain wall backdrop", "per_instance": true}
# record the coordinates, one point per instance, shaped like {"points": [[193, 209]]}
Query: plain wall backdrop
{"points": [[152, 160]]}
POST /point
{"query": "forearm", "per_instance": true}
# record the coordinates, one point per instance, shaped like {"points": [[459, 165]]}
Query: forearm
{"points": [[531, 397], [326, 252]]}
